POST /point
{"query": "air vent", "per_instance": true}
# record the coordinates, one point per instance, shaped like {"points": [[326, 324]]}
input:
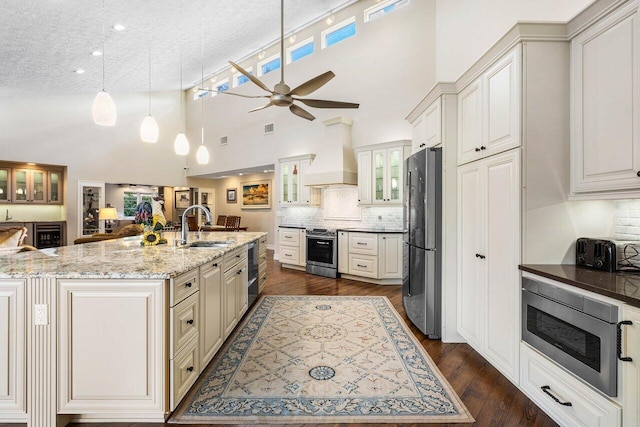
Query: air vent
{"points": [[224, 140], [268, 128]]}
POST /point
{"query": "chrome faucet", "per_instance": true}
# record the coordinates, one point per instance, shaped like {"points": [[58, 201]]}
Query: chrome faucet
{"points": [[185, 226], [7, 217]]}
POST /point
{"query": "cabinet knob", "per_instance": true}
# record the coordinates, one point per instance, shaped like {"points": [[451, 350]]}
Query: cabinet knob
{"points": [[187, 285], [190, 369], [482, 147], [190, 321], [477, 149], [215, 264], [638, 173], [384, 238], [239, 271]]}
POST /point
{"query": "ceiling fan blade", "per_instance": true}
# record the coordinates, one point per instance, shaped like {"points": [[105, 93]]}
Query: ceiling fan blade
{"points": [[312, 85], [320, 103], [250, 77], [301, 112], [244, 96], [261, 108]]}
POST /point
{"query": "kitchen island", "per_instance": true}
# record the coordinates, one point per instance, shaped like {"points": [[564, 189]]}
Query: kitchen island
{"points": [[112, 330]]}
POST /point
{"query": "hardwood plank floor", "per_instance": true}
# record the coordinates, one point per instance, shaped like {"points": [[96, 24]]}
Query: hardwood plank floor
{"points": [[489, 396]]}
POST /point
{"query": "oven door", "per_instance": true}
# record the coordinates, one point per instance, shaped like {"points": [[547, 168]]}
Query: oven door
{"points": [[579, 342], [321, 251]]}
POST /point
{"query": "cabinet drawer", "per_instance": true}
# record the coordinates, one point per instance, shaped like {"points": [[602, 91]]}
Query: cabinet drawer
{"points": [[289, 255], [184, 323], [263, 243], [363, 243], [289, 237], [183, 286], [184, 371], [234, 257], [588, 408], [363, 265], [262, 280]]}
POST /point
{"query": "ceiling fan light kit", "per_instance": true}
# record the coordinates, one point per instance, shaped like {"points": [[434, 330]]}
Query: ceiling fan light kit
{"points": [[282, 95]]}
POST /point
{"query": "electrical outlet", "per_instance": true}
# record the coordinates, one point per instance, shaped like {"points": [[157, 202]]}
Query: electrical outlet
{"points": [[41, 314]]}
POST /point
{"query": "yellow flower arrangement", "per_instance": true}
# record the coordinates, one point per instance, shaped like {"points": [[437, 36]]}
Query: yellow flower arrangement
{"points": [[151, 238]]}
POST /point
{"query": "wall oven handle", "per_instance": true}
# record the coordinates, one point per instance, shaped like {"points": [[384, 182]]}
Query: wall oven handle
{"points": [[619, 343], [547, 389]]}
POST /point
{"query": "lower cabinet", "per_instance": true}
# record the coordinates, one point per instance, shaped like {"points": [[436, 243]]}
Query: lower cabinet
{"points": [[262, 263], [293, 246], [568, 401], [376, 256], [211, 299], [631, 369], [12, 350], [101, 369], [235, 294]]}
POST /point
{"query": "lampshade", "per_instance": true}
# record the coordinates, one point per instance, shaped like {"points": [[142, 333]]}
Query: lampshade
{"points": [[202, 155], [149, 129], [104, 109], [108, 213], [181, 145]]}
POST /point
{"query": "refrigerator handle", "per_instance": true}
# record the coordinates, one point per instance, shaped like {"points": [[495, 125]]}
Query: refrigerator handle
{"points": [[409, 203]]}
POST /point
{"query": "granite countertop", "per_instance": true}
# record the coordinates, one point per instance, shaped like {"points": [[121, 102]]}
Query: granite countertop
{"points": [[120, 258], [623, 286], [372, 230]]}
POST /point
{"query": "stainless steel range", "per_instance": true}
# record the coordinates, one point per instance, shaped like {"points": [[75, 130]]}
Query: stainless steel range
{"points": [[322, 252]]}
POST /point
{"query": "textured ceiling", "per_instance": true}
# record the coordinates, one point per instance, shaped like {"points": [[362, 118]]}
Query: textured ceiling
{"points": [[42, 42]]}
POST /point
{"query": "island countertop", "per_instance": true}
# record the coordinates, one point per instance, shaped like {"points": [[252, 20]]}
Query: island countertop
{"points": [[121, 258]]}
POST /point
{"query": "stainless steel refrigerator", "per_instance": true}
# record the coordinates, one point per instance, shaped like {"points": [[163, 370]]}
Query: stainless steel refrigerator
{"points": [[422, 237]]}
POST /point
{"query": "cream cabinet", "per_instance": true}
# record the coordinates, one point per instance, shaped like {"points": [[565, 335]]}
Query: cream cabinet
{"points": [[29, 186], [389, 256], [5, 185], [605, 106], [427, 128], [631, 369], [293, 246], [343, 252], [235, 294], [381, 172], [211, 299], [488, 258], [262, 263], [102, 370], [292, 188], [489, 110], [12, 350], [374, 257]]}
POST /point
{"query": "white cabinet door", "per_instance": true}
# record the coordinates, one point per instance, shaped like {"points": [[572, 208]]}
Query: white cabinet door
{"points": [[230, 301], [471, 286], [502, 250], [605, 104], [242, 279], [470, 123], [305, 192], [389, 256], [419, 133], [379, 171], [502, 104], [289, 180], [12, 347], [365, 178], [433, 127], [111, 353], [210, 310], [343, 252], [631, 369]]}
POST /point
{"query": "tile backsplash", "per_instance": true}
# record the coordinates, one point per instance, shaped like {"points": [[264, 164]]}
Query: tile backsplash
{"points": [[626, 220], [371, 217]]}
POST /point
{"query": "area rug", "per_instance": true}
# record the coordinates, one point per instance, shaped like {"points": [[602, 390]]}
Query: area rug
{"points": [[321, 359]]}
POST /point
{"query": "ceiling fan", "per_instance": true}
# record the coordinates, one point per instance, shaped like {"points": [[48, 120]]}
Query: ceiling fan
{"points": [[283, 96]]}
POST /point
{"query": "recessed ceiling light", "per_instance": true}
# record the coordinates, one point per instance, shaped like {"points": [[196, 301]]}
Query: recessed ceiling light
{"points": [[79, 71], [31, 164], [118, 27], [96, 53]]}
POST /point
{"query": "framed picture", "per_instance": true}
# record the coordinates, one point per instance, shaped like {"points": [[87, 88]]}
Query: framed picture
{"points": [[256, 195], [182, 200], [232, 195]]}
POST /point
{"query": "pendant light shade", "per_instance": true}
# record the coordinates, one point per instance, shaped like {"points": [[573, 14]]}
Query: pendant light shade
{"points": [[104, 109], [202, 155], [149, 129], [181, 145]]}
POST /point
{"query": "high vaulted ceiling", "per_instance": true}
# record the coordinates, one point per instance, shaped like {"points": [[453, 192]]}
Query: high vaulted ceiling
{"points": [[42, 42]]}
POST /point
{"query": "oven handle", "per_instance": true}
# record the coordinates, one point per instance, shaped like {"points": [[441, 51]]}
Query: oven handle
{"points": [[546, 389], [619, 344]]}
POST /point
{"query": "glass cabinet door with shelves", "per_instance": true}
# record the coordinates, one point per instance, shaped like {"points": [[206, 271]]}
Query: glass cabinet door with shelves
{"points": [[20, 186], [5, 185], [395, 175], [55, 187]]}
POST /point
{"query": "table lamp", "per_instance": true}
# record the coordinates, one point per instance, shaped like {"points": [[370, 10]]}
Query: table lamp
{"points": [[108, 214]]}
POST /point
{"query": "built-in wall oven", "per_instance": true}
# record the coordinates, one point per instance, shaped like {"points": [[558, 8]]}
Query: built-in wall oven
{"points": [[577, 332], [322, 252]]}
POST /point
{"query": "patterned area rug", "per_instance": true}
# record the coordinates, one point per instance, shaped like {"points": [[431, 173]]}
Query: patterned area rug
{"points": [[320, 359]]}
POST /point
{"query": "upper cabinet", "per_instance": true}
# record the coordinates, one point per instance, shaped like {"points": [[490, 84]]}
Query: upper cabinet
{"points": [[381, 172], [292, 188], [427, 128], [605, 107], [489, 110], [24, 184]]}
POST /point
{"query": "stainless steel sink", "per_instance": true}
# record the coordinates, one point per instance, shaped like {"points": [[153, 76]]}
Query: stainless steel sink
{"points": [[210, 244]]}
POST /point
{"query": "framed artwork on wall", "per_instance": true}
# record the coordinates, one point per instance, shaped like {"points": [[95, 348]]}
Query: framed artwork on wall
{"points": [[256, 194], [232, 195], [182, 200]]}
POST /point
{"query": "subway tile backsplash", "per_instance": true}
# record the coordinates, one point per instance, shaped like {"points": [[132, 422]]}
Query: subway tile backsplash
{"points": [[626, 220], [372, 217]]}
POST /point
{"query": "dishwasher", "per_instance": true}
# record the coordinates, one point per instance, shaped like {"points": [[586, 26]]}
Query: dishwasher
{"points": [[252, 282]]}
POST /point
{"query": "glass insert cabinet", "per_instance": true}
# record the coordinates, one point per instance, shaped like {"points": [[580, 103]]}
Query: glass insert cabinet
{"points": [[381, 172], [22, 183]]}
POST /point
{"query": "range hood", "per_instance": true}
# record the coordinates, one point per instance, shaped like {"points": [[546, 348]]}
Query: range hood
{"points": [[335, 163]]}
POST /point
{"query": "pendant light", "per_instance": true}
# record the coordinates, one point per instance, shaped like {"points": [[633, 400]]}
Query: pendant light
{"points": [[103, 109], [202, 155], [149, 131], [181, 144]]}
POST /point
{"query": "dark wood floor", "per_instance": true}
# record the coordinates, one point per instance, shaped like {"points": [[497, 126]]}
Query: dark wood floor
{"points": [[489, 396]]}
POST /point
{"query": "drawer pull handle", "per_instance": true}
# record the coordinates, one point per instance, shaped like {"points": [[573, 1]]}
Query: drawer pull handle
{"points": [[238, 256], [477, 149], [215, 264], [480, 256], [190, 321], [546, 389], [287, 237], [361, 244], [190, 369], [239, 271], [360, 265], [187, 285], [619, 327]]}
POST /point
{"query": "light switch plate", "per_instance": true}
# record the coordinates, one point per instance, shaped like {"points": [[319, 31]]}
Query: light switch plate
{"points": [[41, 314]]}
